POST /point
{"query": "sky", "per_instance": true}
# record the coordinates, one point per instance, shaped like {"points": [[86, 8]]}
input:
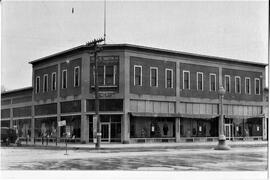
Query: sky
{"points": [[31, 30]]}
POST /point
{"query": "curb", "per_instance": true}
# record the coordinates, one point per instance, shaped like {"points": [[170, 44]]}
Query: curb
{"points": [[178, 146]]}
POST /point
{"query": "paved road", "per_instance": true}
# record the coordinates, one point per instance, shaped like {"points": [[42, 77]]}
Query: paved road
{"points": [[237, 159]]}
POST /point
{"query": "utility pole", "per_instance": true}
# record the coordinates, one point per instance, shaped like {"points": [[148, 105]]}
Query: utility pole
{"points": [[94, 44]]}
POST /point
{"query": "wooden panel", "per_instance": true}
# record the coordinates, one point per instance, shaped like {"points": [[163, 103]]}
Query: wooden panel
{"points": [[209, 109], [133, 106], [189, 108], [141, 106], [202, 108], [245, 110], [196, 108], [164, 107], [241, 110], [215, 109], [149, 106], [156, 107], [230, 110], [183, 108], [171, 107], [250, 110]]}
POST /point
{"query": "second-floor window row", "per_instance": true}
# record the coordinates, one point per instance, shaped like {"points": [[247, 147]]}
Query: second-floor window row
{"points": [[107, 75]]}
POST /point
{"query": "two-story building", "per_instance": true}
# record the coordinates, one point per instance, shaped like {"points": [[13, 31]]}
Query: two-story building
{"points": [[146, 95]]}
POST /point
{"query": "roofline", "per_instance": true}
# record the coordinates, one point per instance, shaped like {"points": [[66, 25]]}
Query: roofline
{"points": [[17, 90], [177, 53]]}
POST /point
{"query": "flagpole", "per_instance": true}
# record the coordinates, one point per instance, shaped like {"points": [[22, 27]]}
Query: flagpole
{"points": [[104, 21]]}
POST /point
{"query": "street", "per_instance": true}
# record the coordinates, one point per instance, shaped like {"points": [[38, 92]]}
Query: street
{"points": [[236, 159]]}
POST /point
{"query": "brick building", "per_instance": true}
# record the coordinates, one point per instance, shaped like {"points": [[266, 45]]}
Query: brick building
{"points": [[146, 95]]}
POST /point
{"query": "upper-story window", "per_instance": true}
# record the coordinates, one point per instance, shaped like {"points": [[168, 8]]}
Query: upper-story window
{"points": [[137, 75], [53, 81], [213, 82], [77, 76], [45, 83], [237, 84], [37, 84], [247, 85], [228, 83], [106, 75], [169, 78], [200, 81], [64, 79], [186, 80], [154, 76], [257, 86]]}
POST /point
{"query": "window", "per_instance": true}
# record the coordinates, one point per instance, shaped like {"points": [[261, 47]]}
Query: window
{"points": [[154, 76], [227, 83], [106, 75], [247, 85], [200, 81], [137, 75], [169, 78], [45, 83], [37, 84], [186, 80], [212, 82], [77, 76], [257, 86], [237, 84], [64, 79], [109, 75], [53, 81]]}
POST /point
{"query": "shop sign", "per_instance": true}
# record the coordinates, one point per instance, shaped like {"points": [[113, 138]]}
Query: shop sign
{"points": [[94, 125], [200, 128], [237, 128], [258, 128], [62, 123]]}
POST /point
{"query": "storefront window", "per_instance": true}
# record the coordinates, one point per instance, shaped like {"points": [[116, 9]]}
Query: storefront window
{"points": [[73, 124], [23, 127], [46, 127]]}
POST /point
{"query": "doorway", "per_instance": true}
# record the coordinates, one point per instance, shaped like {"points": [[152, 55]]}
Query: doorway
{"points": [[228, 131], [105, 132]]}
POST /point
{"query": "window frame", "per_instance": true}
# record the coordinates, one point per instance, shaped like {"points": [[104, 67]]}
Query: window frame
{"points": [[235, 87], [62, 79], [134, 74], [210, 84], [74, 76], [247, 78], [38, 89], [230, 84], [47, 83], [52, 84], [198, 81], [156, 68], [166, 83], [188, 79], [259, 86]]}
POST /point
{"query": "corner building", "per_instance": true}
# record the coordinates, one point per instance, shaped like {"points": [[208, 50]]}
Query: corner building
{"points": [[146, 95]]}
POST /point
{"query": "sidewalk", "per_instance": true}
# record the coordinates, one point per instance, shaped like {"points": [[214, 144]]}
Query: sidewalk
{"points": [[143, 146]]}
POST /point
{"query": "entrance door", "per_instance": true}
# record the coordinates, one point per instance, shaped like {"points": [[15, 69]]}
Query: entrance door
{"points": [[105, 132], [228, 131]]}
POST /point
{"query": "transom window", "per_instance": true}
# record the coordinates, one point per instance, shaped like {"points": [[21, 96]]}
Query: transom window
{"points": [[154, 76], [199, 81], [137, 75], [237, 84], [212, 82], [169, 78], [53, 81], [77, 76], [45, 83], [257, 86], [227, 83], [247, 85], [186, 80]]}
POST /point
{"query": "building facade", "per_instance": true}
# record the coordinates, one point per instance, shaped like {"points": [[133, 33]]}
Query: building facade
{"points": [[146, 95]]}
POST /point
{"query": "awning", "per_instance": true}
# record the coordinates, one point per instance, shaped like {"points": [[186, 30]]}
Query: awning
{"points": [[195, 116], [147, 114], [200, 116], [244, 117]]}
